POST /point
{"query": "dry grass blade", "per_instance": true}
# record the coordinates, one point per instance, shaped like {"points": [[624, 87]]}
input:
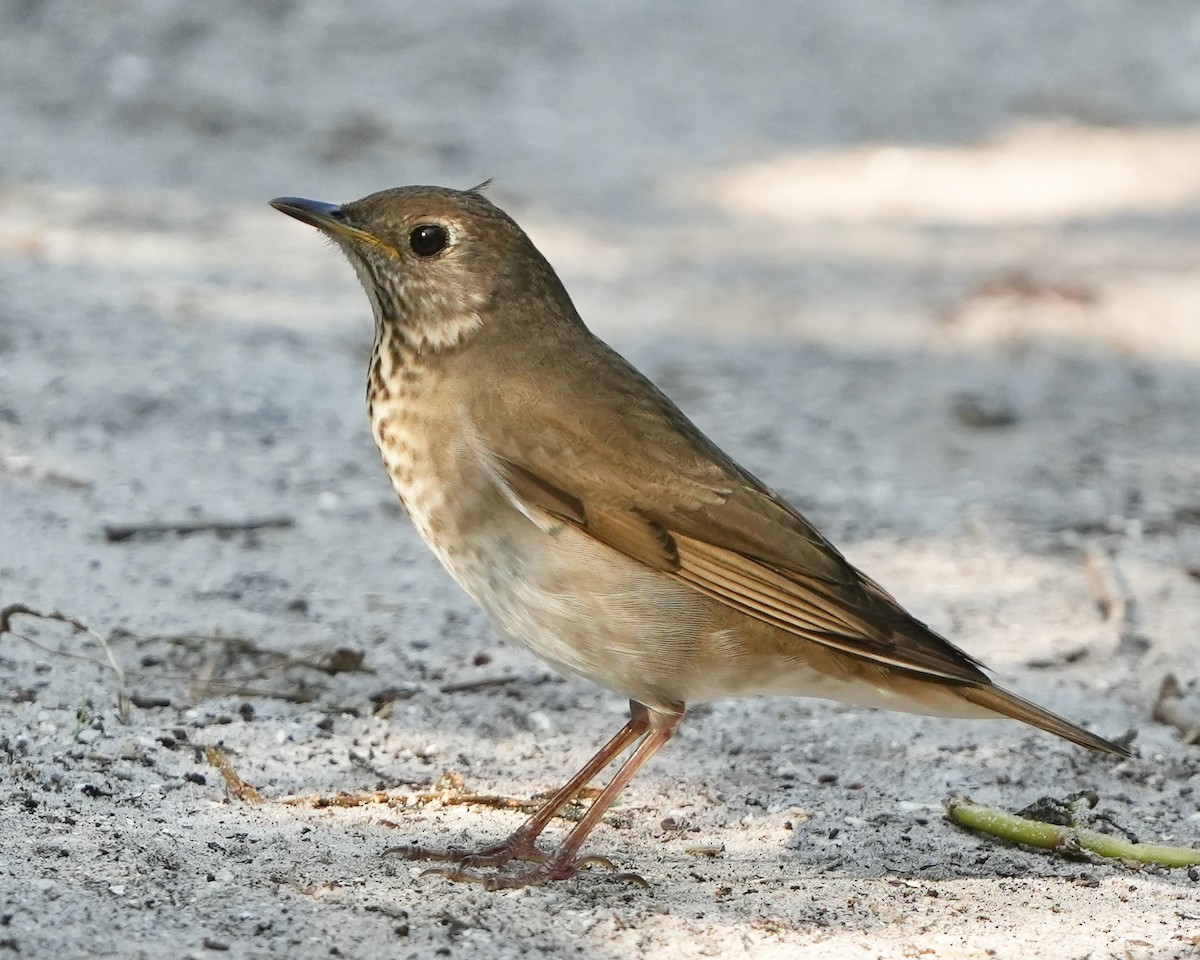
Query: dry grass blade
{"points": [[450, 790], [120, 532], [1169, 709], [20, 609], [236, 785]]}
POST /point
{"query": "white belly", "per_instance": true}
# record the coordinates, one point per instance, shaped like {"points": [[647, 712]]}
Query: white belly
{"points": [[594, 613]]}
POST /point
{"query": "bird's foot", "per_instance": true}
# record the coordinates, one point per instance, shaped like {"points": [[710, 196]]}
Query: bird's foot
{"points": [[515, 847], [546, 871]]}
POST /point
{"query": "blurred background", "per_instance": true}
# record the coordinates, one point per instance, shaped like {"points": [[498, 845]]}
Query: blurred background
{"points": [[880, 170]]}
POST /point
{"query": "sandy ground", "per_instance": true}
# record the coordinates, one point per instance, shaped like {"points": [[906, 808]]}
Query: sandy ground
{"points": [[932, 270]]}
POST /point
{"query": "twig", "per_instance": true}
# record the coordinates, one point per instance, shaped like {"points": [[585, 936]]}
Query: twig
{"points": [[1064, 839], [199, 689], [237, 786], [445, 798], [481, 684], [450, 790], [1116, 601], [119, 532], [15, 609], [1074, 655], [1169, 709], [332, 662], [22, 465]]}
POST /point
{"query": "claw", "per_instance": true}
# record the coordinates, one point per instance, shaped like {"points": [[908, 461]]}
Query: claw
{"points": [[495, 856], [542, 873], [421, 853], [455, 875]]}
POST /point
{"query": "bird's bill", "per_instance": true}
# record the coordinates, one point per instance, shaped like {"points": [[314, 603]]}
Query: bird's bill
{"points": [[329, 218]]}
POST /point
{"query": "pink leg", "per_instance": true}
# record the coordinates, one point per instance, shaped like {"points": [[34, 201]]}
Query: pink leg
{"points": [[565, 862], [521, 844]]}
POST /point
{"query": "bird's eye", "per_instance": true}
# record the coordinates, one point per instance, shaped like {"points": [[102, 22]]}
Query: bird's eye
{"points": [[428, 239]]}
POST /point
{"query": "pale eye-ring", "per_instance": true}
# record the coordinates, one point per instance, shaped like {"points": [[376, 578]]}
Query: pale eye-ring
{"points": [[428, 239]]}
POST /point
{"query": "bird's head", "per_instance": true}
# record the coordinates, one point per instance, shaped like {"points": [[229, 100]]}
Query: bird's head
{"points": [[436, 263]]}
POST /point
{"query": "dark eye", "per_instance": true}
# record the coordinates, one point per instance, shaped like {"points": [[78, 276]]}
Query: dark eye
{"points": [[428, 239]]}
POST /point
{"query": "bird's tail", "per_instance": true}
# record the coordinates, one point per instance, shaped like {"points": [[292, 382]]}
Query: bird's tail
{"points": [[1010, 705]]}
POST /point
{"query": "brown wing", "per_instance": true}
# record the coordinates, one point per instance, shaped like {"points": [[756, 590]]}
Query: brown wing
{"points": [[684, 507], [850, 613]]}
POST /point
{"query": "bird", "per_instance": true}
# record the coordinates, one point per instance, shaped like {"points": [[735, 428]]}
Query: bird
{"points": [[595, 524]]}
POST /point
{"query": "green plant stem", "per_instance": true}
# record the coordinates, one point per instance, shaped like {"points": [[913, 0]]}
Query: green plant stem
{"points": [[1050, 836]]}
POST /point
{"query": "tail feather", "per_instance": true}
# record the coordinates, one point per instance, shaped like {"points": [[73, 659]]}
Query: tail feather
{"points": [[1010, 705]]}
